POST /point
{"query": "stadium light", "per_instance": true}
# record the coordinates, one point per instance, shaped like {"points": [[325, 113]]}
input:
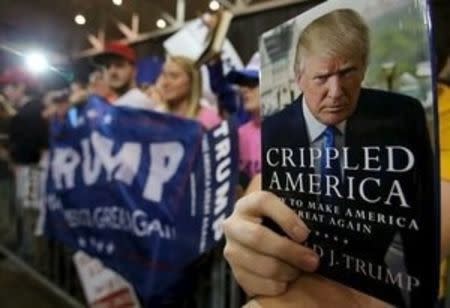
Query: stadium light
{"points": [[80, 19], [161, 23], [36, 62], [214, 5]]}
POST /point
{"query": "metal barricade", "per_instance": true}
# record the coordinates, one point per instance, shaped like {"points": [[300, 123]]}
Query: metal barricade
{"points": [[213, 286], [45, 260]]}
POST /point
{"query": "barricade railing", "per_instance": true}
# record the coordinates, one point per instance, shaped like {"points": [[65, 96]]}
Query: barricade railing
{"points": [[53, 262]]}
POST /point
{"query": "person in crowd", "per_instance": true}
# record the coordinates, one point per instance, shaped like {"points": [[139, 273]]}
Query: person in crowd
{"points": [[6, 113], [229, 100], [181, 88], [59, 102], [249, 133], [28, 130], [329, 71], [98, 85], [120, 71], [27, 144], [115, 82]]}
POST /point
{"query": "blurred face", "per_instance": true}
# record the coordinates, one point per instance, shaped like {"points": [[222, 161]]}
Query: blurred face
{"points": [[250, 95], [14, 93], [175, 83], [98, 85], [331, 87], [120, 74]]}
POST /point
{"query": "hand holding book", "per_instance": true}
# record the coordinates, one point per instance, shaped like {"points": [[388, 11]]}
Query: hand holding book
{"points": [[263, 261]]}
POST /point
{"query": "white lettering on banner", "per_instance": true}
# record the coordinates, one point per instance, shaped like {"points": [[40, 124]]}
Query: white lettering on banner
{"points": [[166, 157], [217, 227], [223, 172], [123, 165], [221, 197], [92, 165], [64, 163], [117, 218], [222, 149], [207, 193], [207, 174]]}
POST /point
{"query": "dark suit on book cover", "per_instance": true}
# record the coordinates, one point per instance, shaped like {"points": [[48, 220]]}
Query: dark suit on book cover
{"points": [[380, 119]]}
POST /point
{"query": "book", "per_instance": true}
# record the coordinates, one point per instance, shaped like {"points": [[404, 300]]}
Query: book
{"points": [[198, 41], [350, 154]]}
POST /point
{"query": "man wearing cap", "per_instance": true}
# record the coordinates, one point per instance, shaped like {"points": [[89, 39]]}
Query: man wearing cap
{"points": [[245, 107], [120, 69]]}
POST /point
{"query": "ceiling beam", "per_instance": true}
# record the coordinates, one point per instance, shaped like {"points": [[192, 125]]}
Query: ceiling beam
{"points": [[130, 32], [242, 7], [226, 3], [97, 41], [239, 10], [181, 11], [242, 3]]}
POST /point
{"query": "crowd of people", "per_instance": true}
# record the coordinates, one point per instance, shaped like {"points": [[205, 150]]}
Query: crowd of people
{"points": [[176, 91], [28, 110]]}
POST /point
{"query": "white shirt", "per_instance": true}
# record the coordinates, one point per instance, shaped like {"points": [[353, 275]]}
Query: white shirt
{"points": [[315, 130], [135, 98]]}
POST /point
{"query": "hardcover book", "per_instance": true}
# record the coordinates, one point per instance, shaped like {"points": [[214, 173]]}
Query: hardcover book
{"points": [[349, 142]]}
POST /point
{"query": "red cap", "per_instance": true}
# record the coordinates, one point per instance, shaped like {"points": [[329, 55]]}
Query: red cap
{"points": [[117, 49], [17, 75]]}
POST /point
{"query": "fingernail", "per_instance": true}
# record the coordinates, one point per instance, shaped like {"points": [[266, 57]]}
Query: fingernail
{"points": [[301, 232], [311, 261]]}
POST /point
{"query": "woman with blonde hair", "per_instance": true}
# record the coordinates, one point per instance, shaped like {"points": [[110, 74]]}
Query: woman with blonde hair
{"points": [[181, 87]]}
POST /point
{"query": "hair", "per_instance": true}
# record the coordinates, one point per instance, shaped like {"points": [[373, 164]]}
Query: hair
{"points": [[195, 78], [341, 32]]}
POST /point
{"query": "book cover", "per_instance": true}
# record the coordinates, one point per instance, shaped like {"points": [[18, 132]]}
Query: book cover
{"points": [[349, 142]]}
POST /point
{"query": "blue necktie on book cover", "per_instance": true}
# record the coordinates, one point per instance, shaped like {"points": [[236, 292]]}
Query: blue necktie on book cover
{"points": [[330, 167]]}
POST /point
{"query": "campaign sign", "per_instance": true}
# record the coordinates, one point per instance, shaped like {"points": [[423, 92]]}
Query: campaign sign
{"points": [[144, 192], [102, 286]]}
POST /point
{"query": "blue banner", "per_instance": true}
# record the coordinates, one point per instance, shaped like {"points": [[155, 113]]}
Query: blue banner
{"points": [[145, 192]]}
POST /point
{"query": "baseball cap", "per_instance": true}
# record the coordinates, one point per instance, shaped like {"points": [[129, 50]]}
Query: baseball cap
{"points": [[116, 49], [249, 74], [17, 75]]}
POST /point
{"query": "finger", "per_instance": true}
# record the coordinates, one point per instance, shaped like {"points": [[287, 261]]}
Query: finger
{"points": [[264, 241], [261, 265], [256, 285], [264, 204]]}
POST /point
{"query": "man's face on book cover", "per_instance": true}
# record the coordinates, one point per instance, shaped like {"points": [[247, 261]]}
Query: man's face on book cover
{"points": [[331, 86]]}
